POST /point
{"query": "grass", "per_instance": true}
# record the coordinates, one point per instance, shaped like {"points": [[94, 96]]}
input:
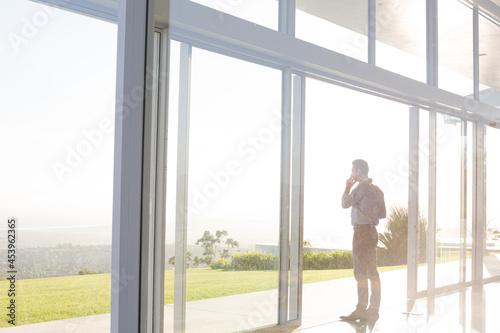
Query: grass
{"points": [[226, 283], [203, 283], [41, 300]]}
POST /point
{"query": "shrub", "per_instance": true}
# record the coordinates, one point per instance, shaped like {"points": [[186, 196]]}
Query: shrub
{"points": [[253, 261], [221, 263], [256, 261], [395, 238], [86, 271], [327, 260]]}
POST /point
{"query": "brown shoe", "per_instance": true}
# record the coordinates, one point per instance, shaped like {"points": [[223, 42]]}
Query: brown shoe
{"points": [[355, 315]]}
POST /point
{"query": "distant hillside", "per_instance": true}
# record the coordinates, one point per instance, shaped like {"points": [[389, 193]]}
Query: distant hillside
{"points": [[47, 237], [60, 260]]}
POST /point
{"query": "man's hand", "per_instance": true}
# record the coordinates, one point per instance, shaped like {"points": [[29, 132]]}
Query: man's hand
{"points": [[348, 184], [350, 181]]}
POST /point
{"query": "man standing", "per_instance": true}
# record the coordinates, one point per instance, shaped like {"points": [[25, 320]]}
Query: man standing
{"points": [[368, 206]]}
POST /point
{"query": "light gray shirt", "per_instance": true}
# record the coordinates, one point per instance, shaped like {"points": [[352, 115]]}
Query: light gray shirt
{"points": [[367, 202]]}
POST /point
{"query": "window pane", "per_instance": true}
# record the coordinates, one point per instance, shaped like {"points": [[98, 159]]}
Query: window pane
{"points": [[340, 26], [333, 140], [233, 195], [401, 35], [423, 198], [466, 237], [489, 62], [57, 142], [262, 12], [448, 201], [455, 47], [492, 235]]}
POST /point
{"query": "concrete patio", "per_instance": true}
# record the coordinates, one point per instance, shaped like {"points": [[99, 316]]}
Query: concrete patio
{"points": [[468, 310]]}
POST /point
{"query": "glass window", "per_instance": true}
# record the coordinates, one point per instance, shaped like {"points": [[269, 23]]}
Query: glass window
{"points": [[262, 12], [455, 47], [343, 125], [340, 26], [492, 234], [401, 33], [467, 197], [489, 62], [423, 198], [233, 195], [57, 142], [448, 200]]}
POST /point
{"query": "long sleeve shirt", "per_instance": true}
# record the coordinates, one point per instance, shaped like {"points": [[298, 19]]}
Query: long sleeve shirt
{"points": [[367, 202]]}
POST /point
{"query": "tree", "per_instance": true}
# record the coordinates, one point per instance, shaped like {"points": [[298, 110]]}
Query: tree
{"points": [[212, 246], [207, 242], [307, 245], [231, 243], [395, 238], [189, 260]]}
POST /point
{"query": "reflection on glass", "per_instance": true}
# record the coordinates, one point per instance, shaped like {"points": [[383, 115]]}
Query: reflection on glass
{"points": [[466, 236], [170, 205], [341, 126], [340, 26], [262, 12], [296, 206], [56, 140], [423, 199], [448, 200], [492, 233], [401, 35], [233, 195], [455, 47], [489, 62]]}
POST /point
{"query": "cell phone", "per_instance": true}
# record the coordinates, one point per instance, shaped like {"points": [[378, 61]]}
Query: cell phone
{"points": [[357, 176]]}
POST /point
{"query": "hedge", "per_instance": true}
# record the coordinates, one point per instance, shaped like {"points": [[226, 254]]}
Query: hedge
{"points": [[255, 261], [327, 260]]}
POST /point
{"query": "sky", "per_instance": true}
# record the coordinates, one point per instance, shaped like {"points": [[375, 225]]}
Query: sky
{"points": [[57, 116]]}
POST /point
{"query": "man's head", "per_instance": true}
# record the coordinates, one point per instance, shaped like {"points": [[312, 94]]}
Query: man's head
{"points": [[360, 166]]}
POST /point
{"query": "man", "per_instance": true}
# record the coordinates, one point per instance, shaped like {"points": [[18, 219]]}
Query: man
{"points": [[368, 206]]}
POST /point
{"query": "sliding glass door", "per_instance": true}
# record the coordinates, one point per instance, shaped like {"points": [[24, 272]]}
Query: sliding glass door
{"points": [[223, 193]]}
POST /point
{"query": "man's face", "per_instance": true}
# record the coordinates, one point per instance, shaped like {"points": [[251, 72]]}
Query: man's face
{"points": [[353, 173]]}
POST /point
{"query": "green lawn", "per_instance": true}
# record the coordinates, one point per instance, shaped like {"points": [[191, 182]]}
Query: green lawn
{"points": [[40, 300]]}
